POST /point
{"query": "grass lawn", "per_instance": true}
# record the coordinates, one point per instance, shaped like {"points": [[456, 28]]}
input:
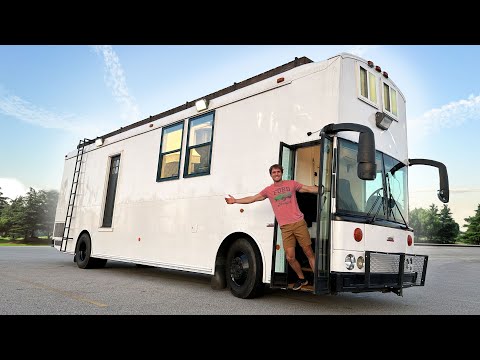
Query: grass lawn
{"points": [[41, 241]]}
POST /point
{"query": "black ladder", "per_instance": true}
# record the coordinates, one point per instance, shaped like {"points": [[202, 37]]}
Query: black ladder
{"points": [[73, 192]]}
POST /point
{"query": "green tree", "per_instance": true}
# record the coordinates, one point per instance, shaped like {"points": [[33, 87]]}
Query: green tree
{"points": [[448, 229], [30, 215], [33, 212], [12, 218], [432, 223], [418, 220], [472, 234], [47, 219], [3, 201]]}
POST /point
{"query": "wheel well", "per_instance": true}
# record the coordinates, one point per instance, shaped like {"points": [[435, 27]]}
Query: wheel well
{"points": [[78, 237], [218, 280]]}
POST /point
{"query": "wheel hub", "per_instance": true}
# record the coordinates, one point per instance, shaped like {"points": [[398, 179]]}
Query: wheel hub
{"points": [[239, 269]]}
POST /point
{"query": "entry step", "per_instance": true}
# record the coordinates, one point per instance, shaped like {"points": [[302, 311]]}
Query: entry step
{"points": [[307, 288]]}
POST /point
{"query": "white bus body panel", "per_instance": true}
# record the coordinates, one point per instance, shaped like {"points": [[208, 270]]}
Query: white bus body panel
{"points": [[375, 238], [181, 223]]}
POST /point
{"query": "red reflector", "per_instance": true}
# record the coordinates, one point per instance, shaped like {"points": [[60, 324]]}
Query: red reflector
{"points": [[279, 80], [357, 234], [409, 240]]}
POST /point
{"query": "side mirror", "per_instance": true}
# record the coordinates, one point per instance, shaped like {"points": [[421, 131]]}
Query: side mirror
{"points": [[367, 168]]}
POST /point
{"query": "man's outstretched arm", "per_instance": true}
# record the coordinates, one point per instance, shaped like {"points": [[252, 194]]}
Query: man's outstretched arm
{"points": [[309, 189], [245, 200]]}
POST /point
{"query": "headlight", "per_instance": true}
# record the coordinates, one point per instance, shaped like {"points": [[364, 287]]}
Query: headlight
{"points": [[350, 261], [360, 262]]}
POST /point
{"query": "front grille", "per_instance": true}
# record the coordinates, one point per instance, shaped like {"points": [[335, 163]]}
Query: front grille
{"points": [[410, 269], [384, 263], [384, 272]]}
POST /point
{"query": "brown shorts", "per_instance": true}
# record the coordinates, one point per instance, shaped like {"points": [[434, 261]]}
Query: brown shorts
{"points": [[295, 232]]}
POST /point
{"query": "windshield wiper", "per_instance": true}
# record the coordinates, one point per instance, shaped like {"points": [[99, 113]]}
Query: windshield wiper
{"points": [[390, 200], [378, 209]]}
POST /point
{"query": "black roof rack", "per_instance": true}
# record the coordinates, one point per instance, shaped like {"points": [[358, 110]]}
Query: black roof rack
{"points": [[236, 86]]}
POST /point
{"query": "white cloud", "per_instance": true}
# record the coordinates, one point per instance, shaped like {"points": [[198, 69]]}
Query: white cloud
{"points": [[115, 79], [23, 110], [360, 50], [447, 116], [12, 188]]}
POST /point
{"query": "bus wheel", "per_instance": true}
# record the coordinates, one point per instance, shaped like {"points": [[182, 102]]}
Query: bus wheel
{"points": [[244, 270], [82, 254]]}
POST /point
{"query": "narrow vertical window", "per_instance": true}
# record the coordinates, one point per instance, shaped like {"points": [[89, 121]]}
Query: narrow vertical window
{"points": [[368, 86], [199, 146], [372, 88], [386, 97], [393, 98], [390, 104], [111, 190], [363, 82], [170, 152]]}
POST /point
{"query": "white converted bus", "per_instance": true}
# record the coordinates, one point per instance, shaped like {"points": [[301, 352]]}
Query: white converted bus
{"points": [[152, 193]]}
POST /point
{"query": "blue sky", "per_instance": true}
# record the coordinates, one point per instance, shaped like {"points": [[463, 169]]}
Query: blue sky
{"points": [[53, 96]]}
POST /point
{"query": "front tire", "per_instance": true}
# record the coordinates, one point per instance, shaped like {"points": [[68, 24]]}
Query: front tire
{"points": [[83, 252], [244, 270]]}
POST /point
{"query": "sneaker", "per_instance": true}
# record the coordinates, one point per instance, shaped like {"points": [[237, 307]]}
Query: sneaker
{"points": [[300, 283]]}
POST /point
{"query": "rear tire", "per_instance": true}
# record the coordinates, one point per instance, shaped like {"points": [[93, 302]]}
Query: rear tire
{"points": [[244, 270], [83, 252]]}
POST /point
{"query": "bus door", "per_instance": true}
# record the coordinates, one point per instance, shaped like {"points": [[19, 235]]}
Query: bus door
{"points": [[279, 261], [322, 240]]}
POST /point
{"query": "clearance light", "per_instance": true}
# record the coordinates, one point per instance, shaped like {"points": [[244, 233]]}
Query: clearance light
{"points": [[279, 80], [360, 262], [370, 63], [350, 261], [378, 68], [201, 104], [98, 142], [409, 240], [357, 234], [385, 74]]}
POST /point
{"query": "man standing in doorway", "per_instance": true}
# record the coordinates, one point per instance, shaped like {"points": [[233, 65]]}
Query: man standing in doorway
{"points": [[282, 196]]}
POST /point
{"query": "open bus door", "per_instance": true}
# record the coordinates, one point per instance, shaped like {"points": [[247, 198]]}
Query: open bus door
{"points": [[322, 239], [279, 270]]}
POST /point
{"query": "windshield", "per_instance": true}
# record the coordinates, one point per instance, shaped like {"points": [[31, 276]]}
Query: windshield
{"points": [[383, 198]]}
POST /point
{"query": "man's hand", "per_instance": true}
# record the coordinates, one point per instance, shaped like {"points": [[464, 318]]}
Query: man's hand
{"points": [[230, 200]]}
